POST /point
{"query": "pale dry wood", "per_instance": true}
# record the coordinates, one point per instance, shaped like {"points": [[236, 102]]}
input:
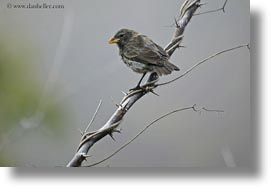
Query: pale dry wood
{"points": [[187, 11], [89, 139]]}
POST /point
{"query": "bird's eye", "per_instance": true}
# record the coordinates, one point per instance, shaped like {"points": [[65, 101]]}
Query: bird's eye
{"points": [[121, 35]]}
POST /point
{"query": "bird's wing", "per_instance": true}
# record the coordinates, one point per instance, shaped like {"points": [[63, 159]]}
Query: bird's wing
{"points": [[144, 50]]}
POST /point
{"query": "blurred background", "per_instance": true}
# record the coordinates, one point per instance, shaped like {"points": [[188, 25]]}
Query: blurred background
{"points": [[56, 64]]}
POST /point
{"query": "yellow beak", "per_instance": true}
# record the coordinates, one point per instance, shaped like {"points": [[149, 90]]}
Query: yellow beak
{"points": [[114, 41]]}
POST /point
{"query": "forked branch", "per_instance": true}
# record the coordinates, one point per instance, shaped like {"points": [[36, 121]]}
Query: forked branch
{"points": [[187, 11], [216, 10]]}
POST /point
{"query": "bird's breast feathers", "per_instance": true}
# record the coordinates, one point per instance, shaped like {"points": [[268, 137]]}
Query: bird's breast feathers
{"points": [[137, 67]]}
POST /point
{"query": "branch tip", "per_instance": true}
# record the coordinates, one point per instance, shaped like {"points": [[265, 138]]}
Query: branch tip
{"points": [[201, 4], [86, 155], [208, 110], [118, 106], [93, 118], [111, 135], [125, 94], [117, 130], [79, 130], [152, 91]]}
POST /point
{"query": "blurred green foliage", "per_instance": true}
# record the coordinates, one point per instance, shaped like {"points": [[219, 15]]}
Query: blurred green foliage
{"points": [[4, 162], [21, 93]]}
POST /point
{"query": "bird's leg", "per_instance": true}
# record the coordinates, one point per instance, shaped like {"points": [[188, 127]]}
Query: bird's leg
{"points": [[139, 83]]}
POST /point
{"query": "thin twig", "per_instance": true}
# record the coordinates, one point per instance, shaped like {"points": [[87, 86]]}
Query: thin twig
{"points": [[209, 110], [142, 131], [146, 127], [216, 10], [201, 62], [93, 118]]}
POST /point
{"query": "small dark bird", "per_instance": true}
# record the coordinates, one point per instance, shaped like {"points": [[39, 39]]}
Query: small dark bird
{"points": [[141, 54]]}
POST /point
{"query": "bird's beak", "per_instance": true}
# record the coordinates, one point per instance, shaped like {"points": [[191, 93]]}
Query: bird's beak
{"points": [[114, 41]]}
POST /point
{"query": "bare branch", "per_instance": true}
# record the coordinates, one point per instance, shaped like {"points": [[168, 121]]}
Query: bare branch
{"points": [[149, 125], [201, 62], [109, 128], [216, 10], [187, 11], [89, 139]]}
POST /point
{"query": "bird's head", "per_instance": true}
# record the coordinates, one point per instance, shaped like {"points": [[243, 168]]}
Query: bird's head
{"points": [[122, 37]]}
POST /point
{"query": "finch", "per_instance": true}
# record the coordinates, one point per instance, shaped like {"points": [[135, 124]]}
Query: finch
{"points": [[141, 54]]}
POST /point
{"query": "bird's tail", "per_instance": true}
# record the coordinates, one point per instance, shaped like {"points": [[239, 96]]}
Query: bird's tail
{"points": [[166, 69]]}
